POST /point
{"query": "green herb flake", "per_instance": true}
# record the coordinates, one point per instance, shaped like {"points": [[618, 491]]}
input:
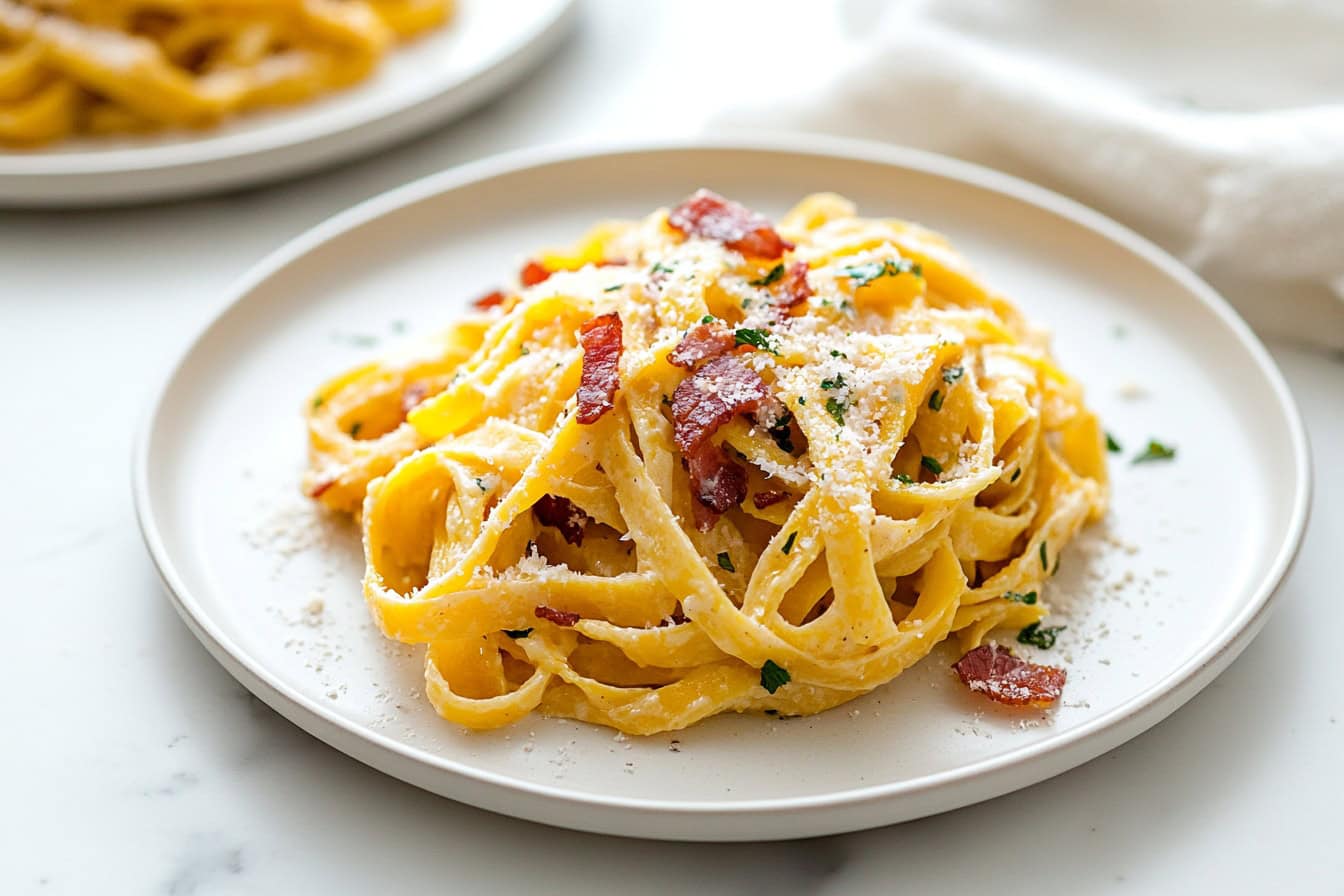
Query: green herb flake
{"points": [[726, 562], [830, 385], [931, 464], [775, 273], [317, 402], [782, 433], [836, 353], [1019, 597], [754, 338], [774, 676], [708, 319], [904, 478], [936, 401], [1036, 636], [1055, 569], [355, 428], [516, 633], [1155, 451], [952, 374], [788, 542], [480, 484], [660, 268], [1112, 445], [524, 350], [1045, 563], [613, 287], [1017, 474], [863, 274], [836, 409], [802, 400]]}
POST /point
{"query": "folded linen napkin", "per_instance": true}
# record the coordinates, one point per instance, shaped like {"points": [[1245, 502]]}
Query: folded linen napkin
{"points": [[1214, 128]]}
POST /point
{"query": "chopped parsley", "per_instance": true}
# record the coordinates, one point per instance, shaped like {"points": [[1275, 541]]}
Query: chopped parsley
{"points": [[931, 464], [775, 273], [836, 353], [613, 287], [788, 542], [481, 485], [667, 401], [836, 408], [904, 478], [1057, 559], [863, 274], [1017, 474], [355, 428], [1155, 451], [524, 350], [660, 268], [774, 676], [317, 402], [1112, 445], [802, 400], [1019, 597], [952, 374], [1045, 564], [708, 319], [516, 633], [830, 385], [754, 338], [782, 433], [936, 401], [726, 562], [1036, 636]]}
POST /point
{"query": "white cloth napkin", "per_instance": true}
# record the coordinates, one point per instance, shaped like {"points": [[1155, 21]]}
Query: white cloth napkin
{"points": [[1215, 128]]}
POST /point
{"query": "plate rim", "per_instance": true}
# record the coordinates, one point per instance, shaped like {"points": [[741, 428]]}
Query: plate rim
{"points": [[1074, 747]]}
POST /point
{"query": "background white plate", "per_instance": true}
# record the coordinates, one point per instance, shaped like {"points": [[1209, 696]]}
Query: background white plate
{"points": [[1158, 600], [486, 47]]}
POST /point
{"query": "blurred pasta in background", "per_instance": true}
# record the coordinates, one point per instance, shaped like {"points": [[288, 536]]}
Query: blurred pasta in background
{"points": [[113, 66]]}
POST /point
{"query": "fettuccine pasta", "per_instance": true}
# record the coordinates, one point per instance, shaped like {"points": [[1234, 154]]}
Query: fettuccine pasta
{"points": [[699, 464], [107, 66]]}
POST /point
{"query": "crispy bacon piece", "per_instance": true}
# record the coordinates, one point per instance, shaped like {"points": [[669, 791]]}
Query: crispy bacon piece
{"points": [[412, 395], [763, 500], [559, 617], [702, 403], [488, 301], [718, 481], [1004, 678], [709, 215], [534, 272], [601, 341], [563, 514], [702, 343], [710, 397], [793, 290]]}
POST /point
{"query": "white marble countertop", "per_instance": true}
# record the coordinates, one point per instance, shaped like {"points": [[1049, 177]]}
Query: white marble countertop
{"points": [[133, 763]]}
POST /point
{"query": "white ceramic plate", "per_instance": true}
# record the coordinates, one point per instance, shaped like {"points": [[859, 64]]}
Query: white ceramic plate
{"points": [[1158, 600], [486, 47]]}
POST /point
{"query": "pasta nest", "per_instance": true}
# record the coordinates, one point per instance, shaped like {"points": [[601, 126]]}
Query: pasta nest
{"points": [[919, 466]]}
